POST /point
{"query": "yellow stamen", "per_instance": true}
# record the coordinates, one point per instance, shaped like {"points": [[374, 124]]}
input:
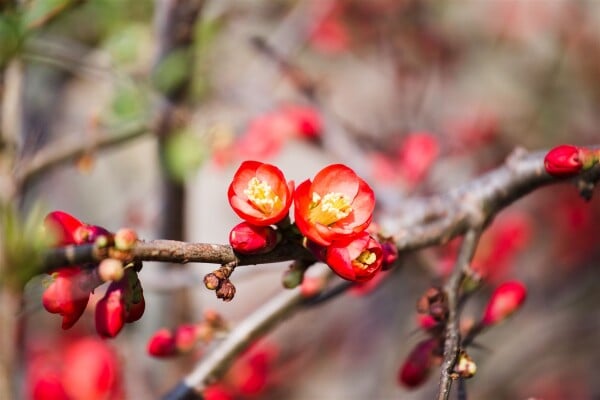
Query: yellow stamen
{"points": [[329, 209], [364, 260], [261, 196]]}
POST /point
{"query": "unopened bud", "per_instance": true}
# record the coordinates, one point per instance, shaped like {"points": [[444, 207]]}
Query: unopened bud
{"points": [[226, 291], [125, 239], [162, 344], [110, 269], [186, 337], [292, 278], [390, 254], [563, 161], [505, 300], [418, 364], [465, 366], [211, 281], [249, 239]]}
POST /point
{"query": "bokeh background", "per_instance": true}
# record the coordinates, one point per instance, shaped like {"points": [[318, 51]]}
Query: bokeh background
{"points": [[417, 96]]}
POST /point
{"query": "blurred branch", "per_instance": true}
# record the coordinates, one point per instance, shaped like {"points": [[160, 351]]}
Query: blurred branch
{"points": [[66, 151], [54, 13], [452, 289], [261, 321]]}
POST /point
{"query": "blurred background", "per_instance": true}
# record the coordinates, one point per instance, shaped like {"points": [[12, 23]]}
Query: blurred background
{"points": [[154, 104]]}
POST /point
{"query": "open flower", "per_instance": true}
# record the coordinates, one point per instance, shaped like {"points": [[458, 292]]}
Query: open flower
{"points": [[336, 205], [259, 193], [357, 259]]}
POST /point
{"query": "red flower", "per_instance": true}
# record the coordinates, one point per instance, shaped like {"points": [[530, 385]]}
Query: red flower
{"points": [[66, 296], [91, 371], [336, 205], [246, 238], [505, 300], [357, 259], [259, 193], [304, 121], [563, 161], [63, 226]]}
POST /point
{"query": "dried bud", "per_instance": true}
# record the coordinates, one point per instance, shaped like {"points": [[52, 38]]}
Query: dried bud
{"points": [[465, 366], [564, 161], [110, 269], [505, 300], [211, 281], [249, 239], [125, 239], [226, 291], [434, 303], [162, 344]]}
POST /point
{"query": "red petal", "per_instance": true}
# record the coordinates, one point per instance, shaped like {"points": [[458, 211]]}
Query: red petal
{"points": [[336, 178]]}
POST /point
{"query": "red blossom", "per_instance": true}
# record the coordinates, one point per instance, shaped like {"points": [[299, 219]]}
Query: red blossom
{"points": [[505, 300], [246, 238], [91, 371], [186, 336], [304, 121], [563, 161], [66, 296], [62, 226], [357, 259], [259, 193], [336, 205]]}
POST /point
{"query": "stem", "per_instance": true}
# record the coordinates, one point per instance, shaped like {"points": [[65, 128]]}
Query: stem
{"points": [[452, 289]]}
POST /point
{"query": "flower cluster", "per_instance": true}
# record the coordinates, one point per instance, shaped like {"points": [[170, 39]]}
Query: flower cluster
{"points": [[69, 291], [332, 212]]}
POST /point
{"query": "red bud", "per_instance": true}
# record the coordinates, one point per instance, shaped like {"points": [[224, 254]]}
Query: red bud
{"points": [[110, 311], [417, 366], [186, 337], [505, 300], [563, 161], [162, 344], [249, 239]]}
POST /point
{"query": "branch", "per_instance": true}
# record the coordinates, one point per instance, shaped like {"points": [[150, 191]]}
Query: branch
{"points": [[65, 151], [171, 251], [452, 288], [216, 363]]}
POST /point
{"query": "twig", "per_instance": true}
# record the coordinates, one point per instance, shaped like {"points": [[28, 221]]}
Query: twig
{"points": [[452, 288], [252, 328], [65, 151]]}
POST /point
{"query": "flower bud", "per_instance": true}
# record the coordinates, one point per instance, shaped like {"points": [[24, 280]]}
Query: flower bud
{"points": [[186, 337], [390, 254], [66, 296], [249, 239], [563, 161], [162, 344], [226, 291], [125, 239], [465, 366], [505, 300], [111, 269], [111, 311], [418, 364]]}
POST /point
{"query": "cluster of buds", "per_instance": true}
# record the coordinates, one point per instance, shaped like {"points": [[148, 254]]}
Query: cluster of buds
{"points": [[169, 343], [218, 280], [332, 213], [567, 160], [69, 291], [433, 315]]}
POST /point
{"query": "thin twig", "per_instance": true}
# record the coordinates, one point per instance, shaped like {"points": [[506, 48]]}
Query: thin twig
{"points": [[65, 151], [452, 289]]}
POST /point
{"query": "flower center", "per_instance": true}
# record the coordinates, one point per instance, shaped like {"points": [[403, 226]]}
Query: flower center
{"points": [[364, 260], [329, 209], [261, 196]]}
